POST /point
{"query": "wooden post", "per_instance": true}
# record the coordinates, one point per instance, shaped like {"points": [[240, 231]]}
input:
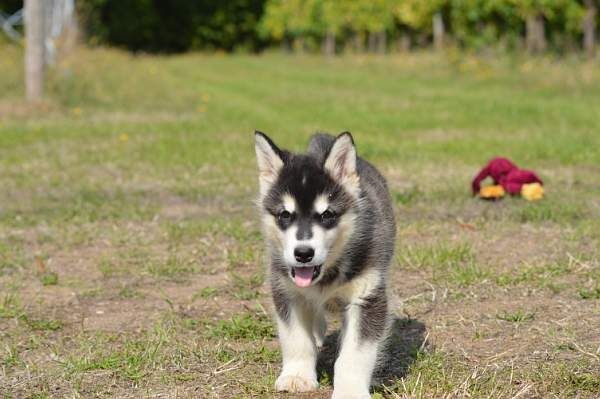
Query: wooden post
{"points": [[329, 44], [381, 42], [372, 42], [439, 31], [358, 42], [535, 35], [299, 45], [34, 49], [403, 44], [589, 28]]}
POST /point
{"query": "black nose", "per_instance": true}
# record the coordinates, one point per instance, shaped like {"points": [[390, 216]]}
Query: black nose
{"points": [[304, 254]]}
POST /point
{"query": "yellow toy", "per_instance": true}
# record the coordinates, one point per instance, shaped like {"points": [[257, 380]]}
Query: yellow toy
{"points": [[532, 192], [492, 192]]}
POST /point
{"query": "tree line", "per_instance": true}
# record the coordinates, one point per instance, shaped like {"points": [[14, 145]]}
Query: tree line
{"points": [[334, 26], [384, 25]]}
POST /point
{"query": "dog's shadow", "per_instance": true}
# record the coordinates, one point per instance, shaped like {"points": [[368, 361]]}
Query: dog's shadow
{"points": [[406, 339]]}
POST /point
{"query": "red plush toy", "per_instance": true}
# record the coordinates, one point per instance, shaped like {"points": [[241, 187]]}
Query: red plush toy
{"points": [[506, 174]]}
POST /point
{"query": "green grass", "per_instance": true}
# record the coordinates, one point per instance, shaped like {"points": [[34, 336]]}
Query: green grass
{"points": [[246, 288], [518, 316], [435, 374], [49, 278], [446, 263], [552, 210], [43, 324], [206, 292], [590, 294], [439, 254], [244, 326], [11, 256], [132, 360], [10, 357], [406, 196], [538, 275], [172, 267], [135, 182], [130, 292], [10, 306]]}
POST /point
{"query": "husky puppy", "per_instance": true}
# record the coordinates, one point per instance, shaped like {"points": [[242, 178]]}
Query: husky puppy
{"points": [[329, 228]]}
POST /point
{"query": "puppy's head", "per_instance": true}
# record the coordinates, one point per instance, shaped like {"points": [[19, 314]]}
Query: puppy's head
{"points": [[309, 205]]}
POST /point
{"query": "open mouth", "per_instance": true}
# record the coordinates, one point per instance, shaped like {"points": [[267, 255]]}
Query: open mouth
{"points": [[304, 275]]}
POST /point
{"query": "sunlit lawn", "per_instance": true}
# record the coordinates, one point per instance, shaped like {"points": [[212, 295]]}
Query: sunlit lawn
{"points": [[130, 256]]}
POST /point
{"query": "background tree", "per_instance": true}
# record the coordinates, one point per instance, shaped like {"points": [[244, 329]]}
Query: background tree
{"points": [[174, 26], [336, 16], [331, 25], [375, 18], [535, 13], [294, 19], [480, 24], [589, 26], [425, 17]]}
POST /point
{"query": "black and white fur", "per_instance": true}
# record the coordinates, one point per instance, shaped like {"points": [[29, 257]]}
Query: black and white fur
{"points": [[329, 227]]}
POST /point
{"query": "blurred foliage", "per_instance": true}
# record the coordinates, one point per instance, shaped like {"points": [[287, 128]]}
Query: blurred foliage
{"points": [[468, 23], [173, 26], [251, 25], [10, 6]]}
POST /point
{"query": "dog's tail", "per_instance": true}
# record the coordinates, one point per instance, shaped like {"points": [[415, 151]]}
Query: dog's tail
{"points": [[320, 144]]}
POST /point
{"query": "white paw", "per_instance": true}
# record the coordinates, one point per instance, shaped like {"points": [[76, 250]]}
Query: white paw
{"points": [[295, 383], [338, 394]]}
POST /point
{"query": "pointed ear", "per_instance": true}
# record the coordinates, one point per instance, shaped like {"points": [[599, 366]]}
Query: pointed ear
{"points": [[269, 159], [341, 162]]}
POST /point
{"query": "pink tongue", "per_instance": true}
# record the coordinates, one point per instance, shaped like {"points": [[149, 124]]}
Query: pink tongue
{"points": [[303, 276]]}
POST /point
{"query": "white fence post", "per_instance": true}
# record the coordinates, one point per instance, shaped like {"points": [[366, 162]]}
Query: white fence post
{"points": [[34, 49]]}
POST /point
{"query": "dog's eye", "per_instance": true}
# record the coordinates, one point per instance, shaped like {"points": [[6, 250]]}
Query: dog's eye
{"points": [[284, 217], [327, 216]]}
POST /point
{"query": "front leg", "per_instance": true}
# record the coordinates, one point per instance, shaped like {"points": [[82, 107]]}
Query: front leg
{"points": [[298, 349], [319, 327], [366, 323]]}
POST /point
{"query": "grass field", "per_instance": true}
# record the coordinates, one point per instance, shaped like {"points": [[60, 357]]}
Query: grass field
{"points": [[130, 256]]}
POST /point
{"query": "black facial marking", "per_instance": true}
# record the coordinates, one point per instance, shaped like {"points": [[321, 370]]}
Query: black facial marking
{"points": [[300, 168], [285, 219], [328, 219], [304, 231], [303, 178]]}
